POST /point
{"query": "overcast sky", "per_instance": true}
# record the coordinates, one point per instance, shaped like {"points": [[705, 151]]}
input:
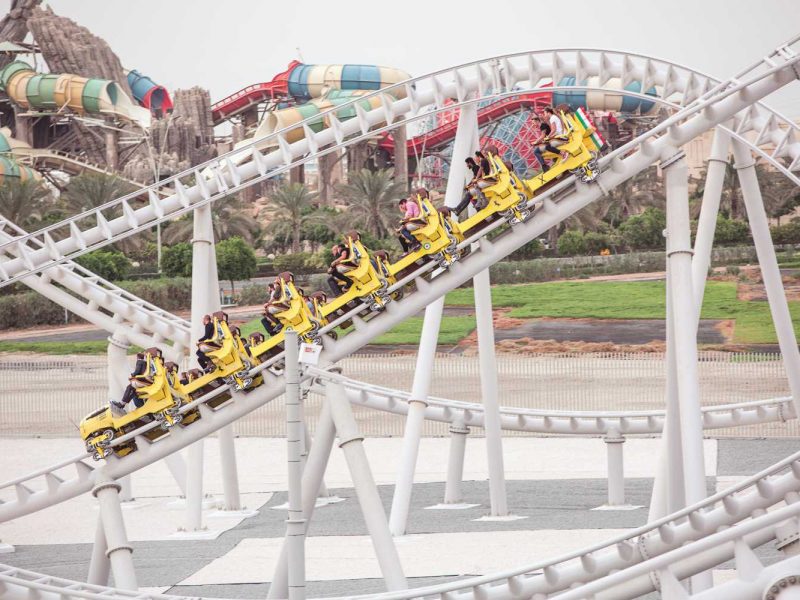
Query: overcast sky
{"points": [[224, 45]]}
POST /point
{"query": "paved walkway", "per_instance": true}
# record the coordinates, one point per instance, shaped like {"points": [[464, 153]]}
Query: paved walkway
{"points": [[553, 482]]}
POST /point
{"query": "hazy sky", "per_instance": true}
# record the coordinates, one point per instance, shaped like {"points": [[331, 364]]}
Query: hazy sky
{"points": [[224, 45]]}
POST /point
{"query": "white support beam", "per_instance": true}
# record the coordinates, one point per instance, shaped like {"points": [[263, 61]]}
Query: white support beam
{"points": [[768, 262]]}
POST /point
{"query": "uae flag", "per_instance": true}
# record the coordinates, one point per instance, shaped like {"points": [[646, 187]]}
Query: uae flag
{"points": [[587, 123]]}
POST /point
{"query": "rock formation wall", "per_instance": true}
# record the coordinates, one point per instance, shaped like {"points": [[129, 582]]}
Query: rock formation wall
{"points": [[70, 48], [14, 25]]}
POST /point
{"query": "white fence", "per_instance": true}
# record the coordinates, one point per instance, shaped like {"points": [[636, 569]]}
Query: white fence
{"points": [[49, 395]]}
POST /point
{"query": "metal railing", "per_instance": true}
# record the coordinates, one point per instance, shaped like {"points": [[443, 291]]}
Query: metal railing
{"points": [[564, 382]]}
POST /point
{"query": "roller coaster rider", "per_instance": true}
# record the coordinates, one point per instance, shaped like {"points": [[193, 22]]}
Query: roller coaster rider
{"points": [[129, 394], [208, 338], [271, 325], [410, 221], [338, 282]]}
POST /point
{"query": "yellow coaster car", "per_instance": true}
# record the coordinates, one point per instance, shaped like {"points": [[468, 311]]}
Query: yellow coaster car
{"points": [[368, 283], [583, 145], [296, 312], [228, 354], [157, 400], [438, 235]]}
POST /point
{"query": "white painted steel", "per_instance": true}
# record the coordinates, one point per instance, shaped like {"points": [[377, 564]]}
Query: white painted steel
{"points": [[616, 468], [684, 325], [709, 209], [464, 143], [119, 550], [768, 263], [106, 305], [295, 522], [352, 444], [455, 462], [313, 474]]}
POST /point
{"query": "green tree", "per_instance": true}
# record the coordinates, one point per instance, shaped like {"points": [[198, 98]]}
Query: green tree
{"points": [[235, 260], [24, 203], [110, 265], [645, 231], [571, 243], [291, 208], [176, 260], [372, 200]]}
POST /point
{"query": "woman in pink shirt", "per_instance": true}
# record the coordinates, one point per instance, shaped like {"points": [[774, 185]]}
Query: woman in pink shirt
{"points": [[411, 213]]}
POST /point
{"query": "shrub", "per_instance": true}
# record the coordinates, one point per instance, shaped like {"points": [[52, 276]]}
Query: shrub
{"points": [[107, 264], [176, 261], [645, 231], [571, 243], [533, 249], [296, 263], [788, 233], [731, 231], [596, 241]]}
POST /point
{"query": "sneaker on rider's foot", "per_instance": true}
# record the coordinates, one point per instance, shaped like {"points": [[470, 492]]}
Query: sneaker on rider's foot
{"points": [[117, 408], [209, 369]]}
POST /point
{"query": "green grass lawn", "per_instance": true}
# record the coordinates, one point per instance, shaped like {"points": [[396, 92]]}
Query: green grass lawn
{"points": [[98, 347], [630, 300], [576, 299], [453, 329]]}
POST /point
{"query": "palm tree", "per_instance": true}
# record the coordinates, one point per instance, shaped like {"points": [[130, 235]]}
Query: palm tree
{"points": [[23, 202], [90, 190], [372, 198], [227, 219], [290, 208]]}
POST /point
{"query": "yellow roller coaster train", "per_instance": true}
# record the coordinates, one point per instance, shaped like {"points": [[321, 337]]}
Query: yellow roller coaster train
{"points": [[162, 392]]}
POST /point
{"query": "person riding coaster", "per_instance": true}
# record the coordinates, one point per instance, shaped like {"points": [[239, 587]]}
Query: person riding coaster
{"points": [[367, 281], [438, 236], [295, 310], [155, 401], [228, 355]]}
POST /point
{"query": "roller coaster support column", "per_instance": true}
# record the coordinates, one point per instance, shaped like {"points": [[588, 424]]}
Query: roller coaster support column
{"points": [[313, 474], [709, 209], [295, 523], [112, 155], [668, 492], [351, 443], [616, 468], [489, 390], [465, 140], [205, 300], [683, 335], [99, 566], [117, 365], [417, 403], [455, 461], [119, 550], [768, 262]]}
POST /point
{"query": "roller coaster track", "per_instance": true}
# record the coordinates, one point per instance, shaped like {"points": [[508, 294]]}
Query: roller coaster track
{"points": [[43, 158], [106, 305], [95, 228], [708, 105]]}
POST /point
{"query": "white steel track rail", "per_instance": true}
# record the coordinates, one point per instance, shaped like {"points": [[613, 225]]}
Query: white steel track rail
{"points": [[106, 305], [95, 228], [558, 203], [595, 423]]}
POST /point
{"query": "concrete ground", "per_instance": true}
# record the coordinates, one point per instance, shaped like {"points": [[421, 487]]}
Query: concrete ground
{"points": [[553, 482]]}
